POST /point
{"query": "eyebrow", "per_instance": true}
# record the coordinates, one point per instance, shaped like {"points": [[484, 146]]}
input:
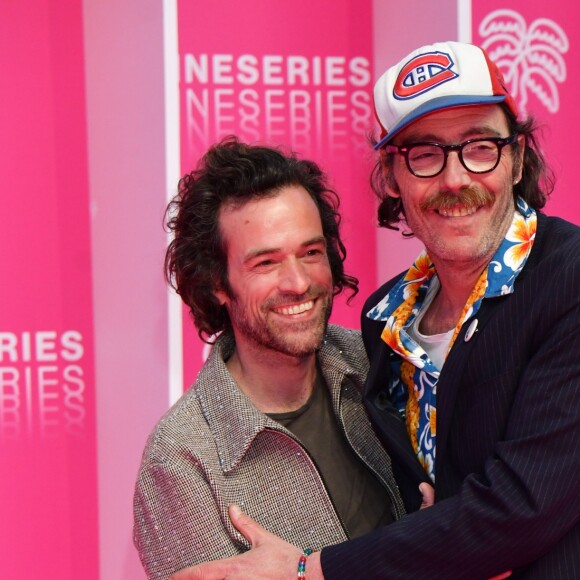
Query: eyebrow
{"points": [[252, 254]]}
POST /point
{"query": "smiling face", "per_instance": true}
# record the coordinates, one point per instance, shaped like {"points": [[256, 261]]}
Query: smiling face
{"points": [[458, 215], [279, 276]]}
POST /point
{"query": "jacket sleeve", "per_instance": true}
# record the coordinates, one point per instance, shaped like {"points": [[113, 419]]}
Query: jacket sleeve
{"points": [[177, 520], [524, 504]]}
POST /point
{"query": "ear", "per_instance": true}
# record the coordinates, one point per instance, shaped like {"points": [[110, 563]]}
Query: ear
{"points": [[222, 297], [520, 160], [391, 185]]}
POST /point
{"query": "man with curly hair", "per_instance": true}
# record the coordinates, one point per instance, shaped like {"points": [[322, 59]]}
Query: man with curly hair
{"points": [[275, 421]]}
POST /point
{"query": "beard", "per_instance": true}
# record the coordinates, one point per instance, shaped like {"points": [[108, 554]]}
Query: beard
{"points": [[296, 338]]}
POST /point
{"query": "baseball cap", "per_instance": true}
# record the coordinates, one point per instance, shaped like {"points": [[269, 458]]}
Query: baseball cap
{"points": [[434, 77]]}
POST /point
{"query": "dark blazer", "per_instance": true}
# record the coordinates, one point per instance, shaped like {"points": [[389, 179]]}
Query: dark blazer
{"points": [[508, 437]]}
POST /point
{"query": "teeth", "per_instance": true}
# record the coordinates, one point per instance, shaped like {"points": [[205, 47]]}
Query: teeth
{"points": [[296, 308], [459, 211]]}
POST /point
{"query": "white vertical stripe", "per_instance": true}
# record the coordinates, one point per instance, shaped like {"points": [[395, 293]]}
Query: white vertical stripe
{"points": [[464, 20], [172, 174]]}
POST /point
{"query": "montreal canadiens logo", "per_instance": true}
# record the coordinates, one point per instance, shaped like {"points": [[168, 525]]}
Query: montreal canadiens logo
{"points": [[423, 73]]}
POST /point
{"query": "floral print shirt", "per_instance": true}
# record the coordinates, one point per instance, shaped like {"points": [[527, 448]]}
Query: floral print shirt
{"points": [[413, 382]]}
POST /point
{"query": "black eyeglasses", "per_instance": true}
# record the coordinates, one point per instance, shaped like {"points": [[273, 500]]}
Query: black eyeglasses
{"points": [[476, 155]]}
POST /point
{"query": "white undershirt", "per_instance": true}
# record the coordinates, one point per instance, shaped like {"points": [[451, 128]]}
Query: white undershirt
{"points": [[435, 345]]}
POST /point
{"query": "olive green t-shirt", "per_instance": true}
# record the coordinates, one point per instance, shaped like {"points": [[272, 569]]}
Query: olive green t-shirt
{"points": [[361, 501]]}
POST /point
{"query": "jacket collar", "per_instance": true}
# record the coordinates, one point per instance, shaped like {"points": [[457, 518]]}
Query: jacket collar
{"points": [[453, 370], [232, 418]]}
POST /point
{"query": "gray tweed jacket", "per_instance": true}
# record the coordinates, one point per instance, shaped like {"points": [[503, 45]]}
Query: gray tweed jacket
{"points": [[214, 448]]}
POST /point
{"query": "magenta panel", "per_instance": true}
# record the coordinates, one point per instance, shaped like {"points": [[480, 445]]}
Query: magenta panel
{"points": [[48, 497]]}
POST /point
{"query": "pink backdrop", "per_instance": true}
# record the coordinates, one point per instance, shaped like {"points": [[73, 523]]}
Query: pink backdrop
{"points": [[48, 476], [84, 317], [532, 42]]}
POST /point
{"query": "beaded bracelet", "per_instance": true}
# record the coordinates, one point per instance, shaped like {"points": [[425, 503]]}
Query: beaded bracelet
{"points": [[302, 563]]}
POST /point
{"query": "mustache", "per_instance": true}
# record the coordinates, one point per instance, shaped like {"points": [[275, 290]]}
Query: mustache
{"points": [[469, 197]]}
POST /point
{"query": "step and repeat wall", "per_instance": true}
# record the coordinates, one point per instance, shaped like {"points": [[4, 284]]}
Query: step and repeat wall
{"points": [[105, 105]]}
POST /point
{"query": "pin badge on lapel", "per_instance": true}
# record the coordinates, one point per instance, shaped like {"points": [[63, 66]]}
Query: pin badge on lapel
{"points": [[471, 330]]}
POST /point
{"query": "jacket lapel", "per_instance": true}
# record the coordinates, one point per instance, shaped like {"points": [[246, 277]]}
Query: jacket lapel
{"points": [[453, 372]]}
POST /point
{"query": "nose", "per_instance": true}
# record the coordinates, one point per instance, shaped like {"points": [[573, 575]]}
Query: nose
{"points": [[454, 176], [294, 277]]}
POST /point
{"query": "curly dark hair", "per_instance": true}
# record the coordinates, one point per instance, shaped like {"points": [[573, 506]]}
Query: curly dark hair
{"points": [[235, 172], [535, 187]]}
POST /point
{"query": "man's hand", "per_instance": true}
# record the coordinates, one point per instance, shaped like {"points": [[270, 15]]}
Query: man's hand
{"points": [[270, 558], [428, 494]]}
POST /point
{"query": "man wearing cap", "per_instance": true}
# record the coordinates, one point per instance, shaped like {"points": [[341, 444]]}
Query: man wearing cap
{"points": [[476, 345]]}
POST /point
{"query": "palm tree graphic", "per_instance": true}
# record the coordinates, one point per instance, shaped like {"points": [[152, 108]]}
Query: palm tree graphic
{"points": [[530, 57]]}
